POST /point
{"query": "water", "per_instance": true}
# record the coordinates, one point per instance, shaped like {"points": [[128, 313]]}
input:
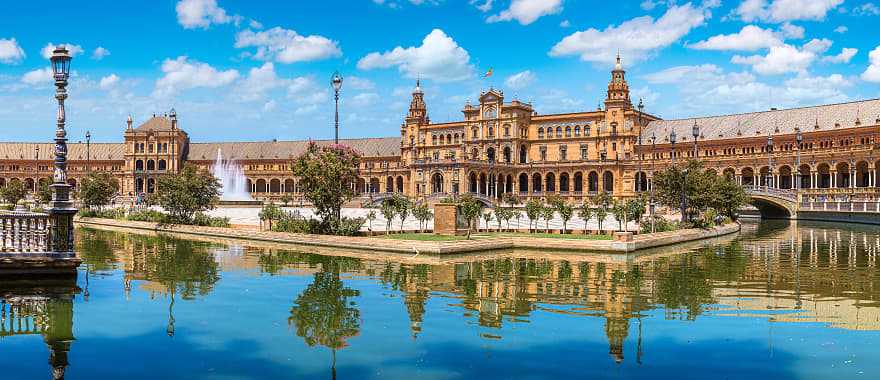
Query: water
{"points": [[233, 184], [781, 301]]}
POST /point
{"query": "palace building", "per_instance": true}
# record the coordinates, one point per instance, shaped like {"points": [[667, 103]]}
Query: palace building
{"points": [[508, 147]]}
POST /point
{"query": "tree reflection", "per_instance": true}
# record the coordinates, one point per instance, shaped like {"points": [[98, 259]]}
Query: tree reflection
{"points": [[180, 267], [684, 285], [323, 314]]}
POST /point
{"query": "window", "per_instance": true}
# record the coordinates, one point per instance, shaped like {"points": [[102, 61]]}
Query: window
{"points": [[434, 140], [491, 132], [586, 131], [567, 131], [543, 153], [584, 152], [506, 131], [558, 131], [563, 153], [436, 155], [540, 132], [474, 133], [577, 130]]}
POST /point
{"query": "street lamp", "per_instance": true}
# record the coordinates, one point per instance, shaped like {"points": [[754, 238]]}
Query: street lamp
{"points": [[770, 161], [61, 208], [672, 138], [695, 131], [88, 152], [799, 137], [651, 187], [641, 107], [336, 82]]}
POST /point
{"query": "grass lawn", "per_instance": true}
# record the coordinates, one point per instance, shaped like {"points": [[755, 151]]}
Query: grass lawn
{"points": [[484, 235]]}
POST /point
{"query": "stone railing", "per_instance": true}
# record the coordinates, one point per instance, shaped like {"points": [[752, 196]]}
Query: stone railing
{"points": [[22, 231], [846, 206]]}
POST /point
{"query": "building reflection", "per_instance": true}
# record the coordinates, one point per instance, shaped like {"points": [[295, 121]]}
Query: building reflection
{"points": [[40, 308]]}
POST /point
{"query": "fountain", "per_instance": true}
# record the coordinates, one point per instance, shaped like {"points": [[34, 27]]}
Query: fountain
{"points": [[233, 184]]}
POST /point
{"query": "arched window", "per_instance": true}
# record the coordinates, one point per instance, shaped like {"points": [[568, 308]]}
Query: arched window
{"points": [[151, 165], [490, 154], [448, 138], [475, 154], [540, 132], [567, 131], [491, 132], [507, 154], [523, 154], [577, 130], [139, 165], [558, 131], [434, 140], [162, 165], [474, 133]]}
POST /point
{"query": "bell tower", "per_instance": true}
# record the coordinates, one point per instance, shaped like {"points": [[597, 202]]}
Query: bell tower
{"points": [[418, 111], [618, 89]]}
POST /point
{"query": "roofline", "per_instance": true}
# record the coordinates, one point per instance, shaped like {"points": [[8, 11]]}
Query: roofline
{"points": [[776, 110], [292, 141]]}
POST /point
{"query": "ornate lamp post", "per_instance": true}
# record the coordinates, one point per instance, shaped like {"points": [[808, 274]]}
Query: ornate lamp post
{"points": [[61, 209], [651, 187], [336, 82], [770, 161], [799, 137], [641, 107], [672, 138], [88, 152], [695, 131]]}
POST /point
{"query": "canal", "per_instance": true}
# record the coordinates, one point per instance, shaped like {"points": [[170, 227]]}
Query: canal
{"points": [[781, 300]]}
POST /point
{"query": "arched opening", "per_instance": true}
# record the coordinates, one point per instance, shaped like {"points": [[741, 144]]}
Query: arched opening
{"points": [[824, 175], [641, 183], [785, 181], [289, 185], [842, 174], [563, 182], [2, 182], [523, 154], [399, 184], [748, 177], [862, 174], [578, 182], [482, 189], [162, 165], [805, 178], [389, 184], [770, 210], [506, 153], [472, 183], [593, 182], [374, 185], [261, 186], [536, 183], [475, 154], [550, 180], [151, 165], [361, 186], [523, 183], [508, 184], [490, 154], [763, 178], [275, 186], [151, 185], [437, 183], [139, 165], [29, 184], [608, 181]]}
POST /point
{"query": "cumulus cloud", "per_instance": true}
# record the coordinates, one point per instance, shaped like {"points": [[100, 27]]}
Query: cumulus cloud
{"points": [[845, 55], [182, 74], [785, 10], [636, 38], [872, 73], [359, 83], [99, 53], [287, 46], [564, 24], [259, 81], [841, 29], [193, 14], [785, 58], [10, 51], [789, 30], [38, 76], [365, 99], [438, 57], [108, 82], [483, 5], [866, 9], [520, 80], [72, 49], [750, 38], [527, 11]]}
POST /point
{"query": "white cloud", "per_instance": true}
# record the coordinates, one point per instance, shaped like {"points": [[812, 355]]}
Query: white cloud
{"points": [[365, 99], [520, 80], [73, 50], [193, 14], [99, 53], [785, 58], [182, 74], [306, 92], [872, 73], [649, 4], [287, 46], [564, 24], [527, 11], [785, 10], [846, 54], [258, 81], [10, 51], [483, 5], [866, 9], [359, 83], [438, 58], [636, 38], [789, 30], [108, 82], [750, 38], [254, 24], [38, 76], [841, 29]]}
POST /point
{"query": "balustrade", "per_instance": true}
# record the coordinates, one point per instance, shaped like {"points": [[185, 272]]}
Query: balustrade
{"points": [[22, 232]]}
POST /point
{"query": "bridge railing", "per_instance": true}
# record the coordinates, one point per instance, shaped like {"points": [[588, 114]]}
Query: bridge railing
{"points": [[786, 194], [23, 232], [842, 206]]}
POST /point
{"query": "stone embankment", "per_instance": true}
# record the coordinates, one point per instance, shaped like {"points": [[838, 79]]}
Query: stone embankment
{"points": [[621, 244]]}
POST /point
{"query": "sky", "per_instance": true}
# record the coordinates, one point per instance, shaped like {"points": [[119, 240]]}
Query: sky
{"points": [[238, 70]]}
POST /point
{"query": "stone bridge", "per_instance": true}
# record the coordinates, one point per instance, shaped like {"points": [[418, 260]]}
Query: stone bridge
{"points": [[774, 203]]}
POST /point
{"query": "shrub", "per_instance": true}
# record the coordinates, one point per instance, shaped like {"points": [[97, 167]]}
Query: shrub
{"points": [[148, 216], [660, 225], [113, 213], [202, 219]]}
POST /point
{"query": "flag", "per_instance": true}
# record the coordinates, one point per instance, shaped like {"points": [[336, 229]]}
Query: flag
{"points": [[488, 73]]}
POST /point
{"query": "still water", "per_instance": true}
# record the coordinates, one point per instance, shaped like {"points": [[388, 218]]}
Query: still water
{"points": [[780, 300]]}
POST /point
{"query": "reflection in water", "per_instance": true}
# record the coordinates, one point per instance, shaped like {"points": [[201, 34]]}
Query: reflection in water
{"points": [[776, 272], [44, 308]]}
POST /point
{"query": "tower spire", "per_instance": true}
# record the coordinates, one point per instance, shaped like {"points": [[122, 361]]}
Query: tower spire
{"points": [[618, 89]]}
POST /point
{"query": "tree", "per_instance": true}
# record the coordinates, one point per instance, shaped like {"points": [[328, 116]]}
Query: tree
{"points": [[423, 214], [13, 192], [488, 218], [97, 189], [601, 214], [470, 209], [511, 199], [547, 214], [565, 212], [270, 213], [402, 205], [388, 209], [44, 192], [728, 196], [326, 174], [635, 209], [515, 213], [371, 216], [534, 209], [187, 192], [618, 209], [691, 183], [286, 199], [585, 213], [504, 214]]}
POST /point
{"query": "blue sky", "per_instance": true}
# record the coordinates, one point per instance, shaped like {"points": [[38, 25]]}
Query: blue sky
{"points": [[258, 70]]}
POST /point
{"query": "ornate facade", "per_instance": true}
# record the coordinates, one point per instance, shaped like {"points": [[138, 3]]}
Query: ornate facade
{"points": [[502, 146]]}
